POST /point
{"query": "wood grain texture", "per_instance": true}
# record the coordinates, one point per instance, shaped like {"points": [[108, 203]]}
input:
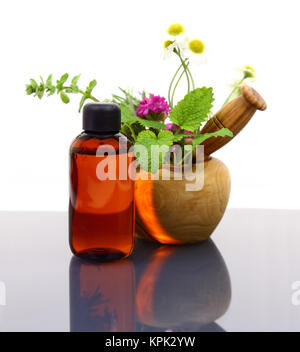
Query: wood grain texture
{"points": [[235, 115], [167, 213]]}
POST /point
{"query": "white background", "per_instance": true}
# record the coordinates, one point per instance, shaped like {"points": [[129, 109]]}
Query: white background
{"points": [[119, 44]]}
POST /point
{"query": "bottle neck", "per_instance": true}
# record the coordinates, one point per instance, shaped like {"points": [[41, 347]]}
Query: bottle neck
{"points": [[101, 134]]}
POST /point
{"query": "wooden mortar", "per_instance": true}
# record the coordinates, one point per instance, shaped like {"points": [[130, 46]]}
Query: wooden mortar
{"points": [[166, 212]]}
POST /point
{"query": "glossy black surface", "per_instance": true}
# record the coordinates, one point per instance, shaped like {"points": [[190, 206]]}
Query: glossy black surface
{"points": [[244, 279]]}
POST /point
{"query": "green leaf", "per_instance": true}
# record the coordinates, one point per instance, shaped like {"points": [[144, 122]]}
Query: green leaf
{"points": [[29, 89], [49, 80], [203, 137], [63, 78], [200, 138], [60, 82], [34, 84], [193, 110], [118, 98], [65, 99], [83, 99], [51, 90], [40, 93], [74, 87], [75, 80], [129, 96], [179, 137], [151, 124], [125, 130], [91, 86], [165, 138], [148, 139], [126, 115]]}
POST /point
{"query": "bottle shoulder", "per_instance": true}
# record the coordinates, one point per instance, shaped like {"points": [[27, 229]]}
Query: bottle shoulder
{"points": [[88, 143]]}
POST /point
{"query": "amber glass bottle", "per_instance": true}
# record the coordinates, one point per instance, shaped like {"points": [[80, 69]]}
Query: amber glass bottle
{"points": [[101, 207]]}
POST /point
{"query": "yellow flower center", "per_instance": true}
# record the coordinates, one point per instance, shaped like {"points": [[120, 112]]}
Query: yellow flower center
{"points": [[168, 43], [196, 46], [250, 68], [249, 71], [176, 29]]}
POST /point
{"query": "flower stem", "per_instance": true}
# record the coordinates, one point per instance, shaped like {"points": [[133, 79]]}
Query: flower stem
{"points": [[237, 85], [185, 69], [192, 79], [186, 155], [172, 81], [172, 98]]}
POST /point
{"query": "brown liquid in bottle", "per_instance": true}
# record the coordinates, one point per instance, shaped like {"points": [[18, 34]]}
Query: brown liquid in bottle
{"points": [[101, 212]]}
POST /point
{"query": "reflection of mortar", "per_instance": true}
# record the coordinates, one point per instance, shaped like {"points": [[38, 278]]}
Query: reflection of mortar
{"points": [[180, 287], [166, 212]]}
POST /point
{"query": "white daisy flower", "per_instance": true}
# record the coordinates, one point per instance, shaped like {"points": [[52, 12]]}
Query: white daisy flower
{"points": [[168, 49], [248, 72], [197, 52], [181, 43]]}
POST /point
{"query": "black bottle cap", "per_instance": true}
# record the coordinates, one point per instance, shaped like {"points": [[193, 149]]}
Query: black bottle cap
{"points": [[101, 117]]}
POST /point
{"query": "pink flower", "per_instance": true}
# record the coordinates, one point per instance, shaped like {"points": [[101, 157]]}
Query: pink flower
{"points": [[171, 127], [155, 105], [188, 132], [143, 109]]}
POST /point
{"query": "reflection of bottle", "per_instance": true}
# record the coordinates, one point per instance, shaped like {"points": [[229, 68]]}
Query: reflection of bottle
{"points": [[101, 210], [183, 288], [102, 296]]}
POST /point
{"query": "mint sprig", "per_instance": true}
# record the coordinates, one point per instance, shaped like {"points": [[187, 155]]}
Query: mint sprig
{"points": [[151, 124], [223, 132], [193, 110], [148, 139], [199, 138], [62, 88]]}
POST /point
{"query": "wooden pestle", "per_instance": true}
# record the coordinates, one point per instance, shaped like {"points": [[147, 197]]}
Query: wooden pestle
{"points": [[234, 116]]}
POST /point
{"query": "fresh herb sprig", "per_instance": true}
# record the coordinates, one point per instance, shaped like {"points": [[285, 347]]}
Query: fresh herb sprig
{"points": [[62, 88], [188, 114], [144, 118]]}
